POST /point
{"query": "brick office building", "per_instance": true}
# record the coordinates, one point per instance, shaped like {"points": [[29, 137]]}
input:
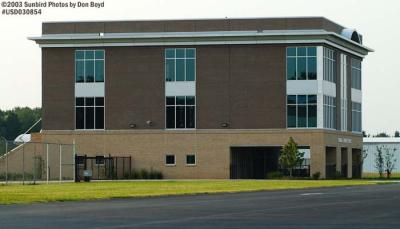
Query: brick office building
{"points": [[211, 98]]}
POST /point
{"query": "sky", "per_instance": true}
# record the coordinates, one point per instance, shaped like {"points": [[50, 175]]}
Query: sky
{"points": [[377, 21]]}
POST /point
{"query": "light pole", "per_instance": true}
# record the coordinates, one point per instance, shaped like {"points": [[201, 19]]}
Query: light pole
{"points": [[6, 155]]}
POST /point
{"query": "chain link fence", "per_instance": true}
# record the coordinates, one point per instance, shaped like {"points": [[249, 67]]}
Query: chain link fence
{"points": [[33, 162]]}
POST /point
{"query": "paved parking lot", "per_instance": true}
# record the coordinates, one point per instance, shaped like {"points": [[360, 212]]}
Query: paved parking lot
{"points": [[375, 206]]}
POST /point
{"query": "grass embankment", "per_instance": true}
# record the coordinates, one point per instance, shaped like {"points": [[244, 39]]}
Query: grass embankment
{"points": [[16, 193], [376, 176]]}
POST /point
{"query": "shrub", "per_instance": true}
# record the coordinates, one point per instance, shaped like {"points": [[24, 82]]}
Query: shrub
{"points": [[316, 175], [144, 174], [275, 175]]}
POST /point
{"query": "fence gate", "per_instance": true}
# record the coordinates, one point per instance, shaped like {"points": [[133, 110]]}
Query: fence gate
{"points": [[103, 167]]}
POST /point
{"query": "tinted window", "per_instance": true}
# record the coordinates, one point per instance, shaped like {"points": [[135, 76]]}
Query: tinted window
{"points": [[170, 117], [190, 159], [170, 70], [89, 118], [301, 68], [80, 118], [302, 116], [312, 68], [170, 159], [89, 70], [99, 117], [79, 71], [180, 70], [291, 118], [291, 68], [180, 117], [190, 117], [190, 74], [99, 70]]}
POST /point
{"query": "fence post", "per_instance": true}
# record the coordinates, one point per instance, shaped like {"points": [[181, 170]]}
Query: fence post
{"points": [[47, 164], [73, 160], [34, 163], [6, 162], [60, 163], [23, 163]]}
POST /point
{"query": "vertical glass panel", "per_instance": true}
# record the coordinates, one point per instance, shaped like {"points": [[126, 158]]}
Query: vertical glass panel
{"points": [[180, 69], [79, 101], [190, 53], [301, 51], [79, 71], [190, 69], [170, 117], [291, 51], [302, 99], [99, 70], [89, 70], [291, 116], [99, 101], [99, 54], [79, 55], [99, 117], [301, 68], [170, 70], [312, 68], [311, 51], [291, 68], [89, 55], [189, 100], [312, 98], [291, 99], [190, 116], [302, 116], [180, 53], [180, 100], [89, 119], [180, 116], [170, 100], [79, 118], [89, 101], [312, 116], [170, 53]]}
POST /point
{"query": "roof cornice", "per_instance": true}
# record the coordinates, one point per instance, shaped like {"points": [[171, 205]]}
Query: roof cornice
{"points": [[199, 38]]}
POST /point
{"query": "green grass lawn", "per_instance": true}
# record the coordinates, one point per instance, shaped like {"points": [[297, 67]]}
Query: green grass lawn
{"points": [[16, 193]]}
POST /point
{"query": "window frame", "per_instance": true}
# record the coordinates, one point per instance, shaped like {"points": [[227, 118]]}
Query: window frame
{"points": [[94, 65], [166, 162], [195, 160], [307, 57], [175, 58], [84, 106], [175, 105], [356, 107], [329, 104], [329, 60], [307, 105], [356, 83]]}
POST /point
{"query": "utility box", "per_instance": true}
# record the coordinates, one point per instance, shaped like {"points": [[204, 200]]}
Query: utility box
{"points": [[87, 174]]}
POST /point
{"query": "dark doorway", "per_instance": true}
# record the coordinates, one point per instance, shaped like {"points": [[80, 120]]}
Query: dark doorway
{"points": [[253, 162], [103, 167]]}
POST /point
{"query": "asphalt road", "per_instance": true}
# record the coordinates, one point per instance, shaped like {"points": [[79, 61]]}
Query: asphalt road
{"points": [[376, 206]]}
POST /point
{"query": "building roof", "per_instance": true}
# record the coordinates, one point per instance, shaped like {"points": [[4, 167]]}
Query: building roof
{"points": [[377, 140], [312, 30]]}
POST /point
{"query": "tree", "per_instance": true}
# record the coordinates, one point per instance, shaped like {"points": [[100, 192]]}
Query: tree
{"points": [[364, 134], [290, 156], [382, 135], [397, 134], [379, 161], [389, 160]]}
